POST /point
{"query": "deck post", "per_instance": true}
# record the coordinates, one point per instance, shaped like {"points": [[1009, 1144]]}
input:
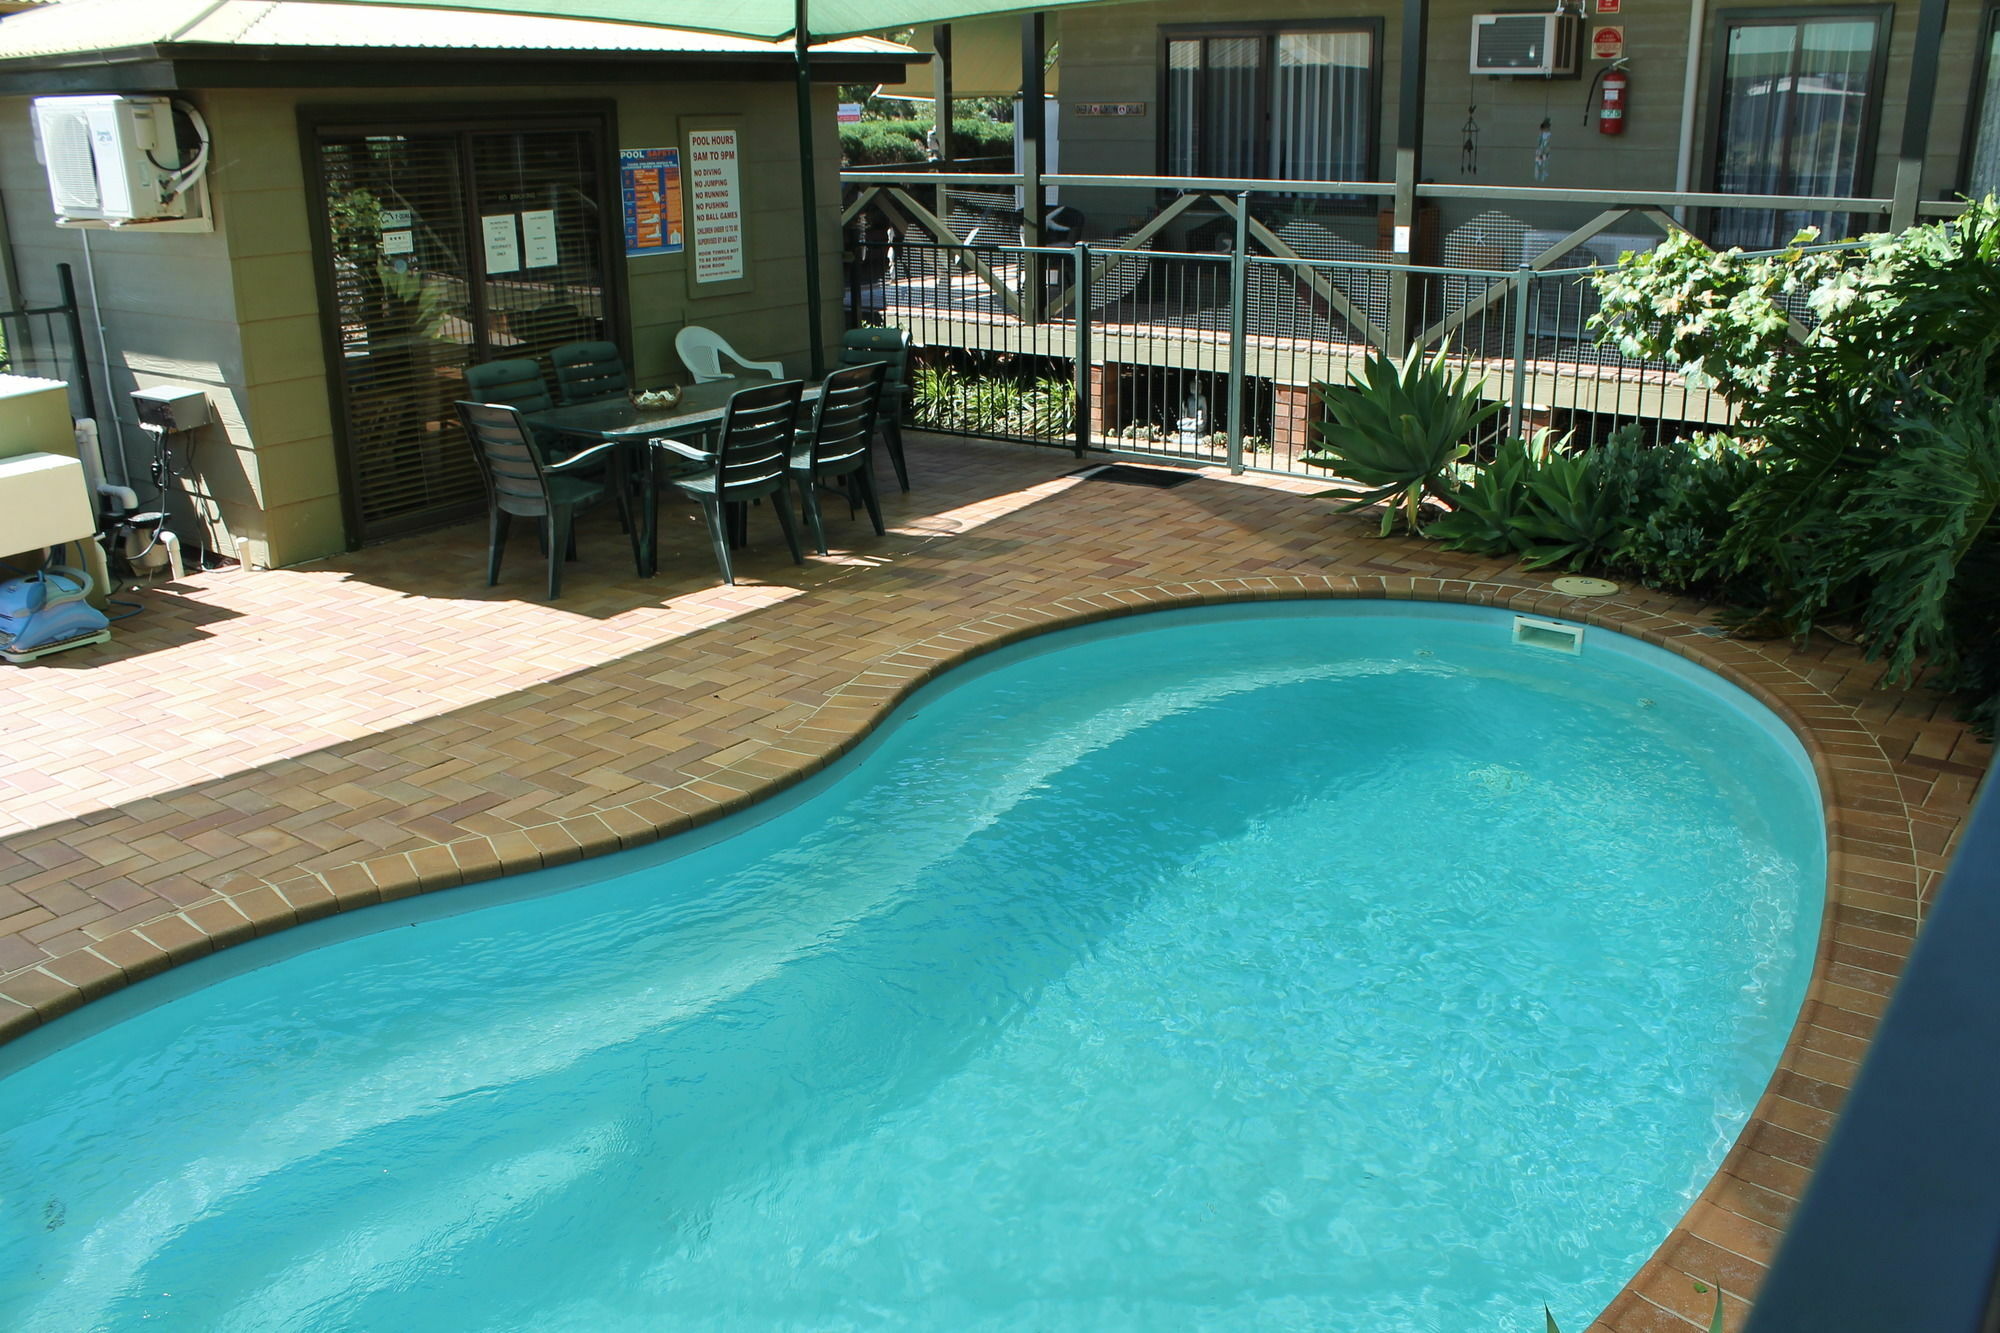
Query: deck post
{"points": [[1409, 147], [1239, 288], [809, 195], [1909, 187], [1034, 125], [1516, 417], [1082, 347]]}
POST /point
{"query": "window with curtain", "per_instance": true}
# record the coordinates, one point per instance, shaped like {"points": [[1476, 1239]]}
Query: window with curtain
{"points": [[1798, 110], [1982, 168], [1269, 103]]}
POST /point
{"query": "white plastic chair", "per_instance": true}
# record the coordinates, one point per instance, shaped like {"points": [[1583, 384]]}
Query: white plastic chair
{"points": [[701, 351]]}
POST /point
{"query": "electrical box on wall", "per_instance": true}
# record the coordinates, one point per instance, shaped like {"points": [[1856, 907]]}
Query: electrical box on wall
{"points": [[122, 161], [172, 407], [1544, 44]]}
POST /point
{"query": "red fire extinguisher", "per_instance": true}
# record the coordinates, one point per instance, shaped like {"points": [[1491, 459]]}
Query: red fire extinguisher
{"points": [[1611, 109]]}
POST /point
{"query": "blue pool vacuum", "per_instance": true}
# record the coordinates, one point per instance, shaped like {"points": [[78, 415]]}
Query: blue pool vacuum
{"points": [[45, 613]]}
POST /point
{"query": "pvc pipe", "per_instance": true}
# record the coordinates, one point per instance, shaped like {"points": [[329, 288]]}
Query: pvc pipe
{"points": [[243, 555], [104, 356], [91, 453], [173, 544]]}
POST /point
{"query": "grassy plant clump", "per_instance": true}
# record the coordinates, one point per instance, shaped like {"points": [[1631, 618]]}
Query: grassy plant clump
{"points": [[1035, 406]]}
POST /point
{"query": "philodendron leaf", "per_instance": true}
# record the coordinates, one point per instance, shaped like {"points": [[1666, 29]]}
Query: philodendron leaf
{"points": [[1715, 1324], [1551, 1319]]}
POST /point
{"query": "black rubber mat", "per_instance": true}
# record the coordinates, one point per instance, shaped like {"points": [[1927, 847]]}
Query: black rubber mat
{"points": [[1124, 474]]}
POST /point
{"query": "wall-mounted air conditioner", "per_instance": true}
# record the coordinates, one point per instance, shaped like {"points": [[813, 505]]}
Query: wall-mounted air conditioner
{"points": [[118, 161], [1545, 44]]}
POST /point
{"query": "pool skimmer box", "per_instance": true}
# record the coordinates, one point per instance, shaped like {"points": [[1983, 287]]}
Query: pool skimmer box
{"points": [[1551, 634]]}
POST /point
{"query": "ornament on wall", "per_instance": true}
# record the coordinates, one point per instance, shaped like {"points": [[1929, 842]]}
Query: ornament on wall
{"points": [[1468, 152], [1542, 150]]}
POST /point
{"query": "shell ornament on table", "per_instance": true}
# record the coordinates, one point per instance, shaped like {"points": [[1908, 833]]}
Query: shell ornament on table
{"points": [[667, 397]]}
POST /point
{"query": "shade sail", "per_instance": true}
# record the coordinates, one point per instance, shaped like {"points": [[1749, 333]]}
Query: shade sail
{"points": [[753, 18], [985, 62]]}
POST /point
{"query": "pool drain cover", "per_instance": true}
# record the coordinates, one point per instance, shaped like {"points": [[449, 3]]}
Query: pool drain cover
{"points": [[1571, 586], [1125, 475]]}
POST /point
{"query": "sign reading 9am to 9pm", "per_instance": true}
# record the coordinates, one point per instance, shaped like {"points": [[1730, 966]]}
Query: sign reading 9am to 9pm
{"points": [[715, 199]]}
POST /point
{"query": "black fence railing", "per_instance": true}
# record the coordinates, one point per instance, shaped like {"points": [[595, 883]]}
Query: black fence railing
{"points": [[47, 341], [1899, 1229]]}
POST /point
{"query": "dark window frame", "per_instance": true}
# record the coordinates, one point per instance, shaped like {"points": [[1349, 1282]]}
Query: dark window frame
{"points": [[1268, 31], [1975, 102], [1728, 20]]}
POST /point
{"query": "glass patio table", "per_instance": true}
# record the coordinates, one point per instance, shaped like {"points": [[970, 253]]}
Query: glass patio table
{"points": [[702, 407]]}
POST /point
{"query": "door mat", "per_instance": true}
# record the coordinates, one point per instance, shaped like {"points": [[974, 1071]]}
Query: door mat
{"points": [[1125, 474]]}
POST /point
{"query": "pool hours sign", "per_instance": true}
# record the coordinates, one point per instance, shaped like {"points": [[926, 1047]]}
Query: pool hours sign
{"points": [[715, 197]]}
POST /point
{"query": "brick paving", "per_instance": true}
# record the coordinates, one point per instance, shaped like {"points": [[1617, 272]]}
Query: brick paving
{"points": [[259, 749]]}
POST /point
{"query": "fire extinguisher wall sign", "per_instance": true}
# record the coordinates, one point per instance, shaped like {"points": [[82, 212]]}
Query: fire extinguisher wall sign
{"points": [[1611, 109]]}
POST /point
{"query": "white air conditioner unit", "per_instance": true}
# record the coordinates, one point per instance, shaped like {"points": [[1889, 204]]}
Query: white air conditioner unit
{"points": [[116, 161], [1545, 44], [1561, 305]]}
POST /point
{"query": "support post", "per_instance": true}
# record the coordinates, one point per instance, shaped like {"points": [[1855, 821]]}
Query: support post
{"points": [[1239, 289], [1909, 188], [1409, 150], [1516, 419], [1034, 121], [941, 108], [1083, 351], [809, 192]]}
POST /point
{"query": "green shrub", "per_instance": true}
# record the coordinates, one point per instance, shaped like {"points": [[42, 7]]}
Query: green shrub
{"points": [[882, 142], [1876, 495], [1398, 433]]}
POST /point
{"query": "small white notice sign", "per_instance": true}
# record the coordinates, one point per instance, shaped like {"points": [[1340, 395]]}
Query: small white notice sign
{"points": [[715, 201], [503, 244], [399, 242], [538, 239], [396, 219]]}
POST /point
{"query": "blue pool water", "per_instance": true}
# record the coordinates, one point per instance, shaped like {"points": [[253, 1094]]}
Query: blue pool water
{"points": [[1310, 966]]}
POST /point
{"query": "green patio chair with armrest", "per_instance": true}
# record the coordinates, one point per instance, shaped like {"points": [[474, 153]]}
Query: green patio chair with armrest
{"points": [[520, 483], [750, 461], [589, 371], [891, 348], [517, 382], [837, 443]]}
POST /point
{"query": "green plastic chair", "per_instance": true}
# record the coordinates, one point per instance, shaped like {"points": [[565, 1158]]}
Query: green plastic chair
{"points": [[836, 446], [586, 372], [750, 461], [891, 348], [520, 483], [517, 383]]}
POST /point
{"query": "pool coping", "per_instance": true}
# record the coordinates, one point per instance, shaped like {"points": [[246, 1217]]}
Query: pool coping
{"points": [[1872, 866]]}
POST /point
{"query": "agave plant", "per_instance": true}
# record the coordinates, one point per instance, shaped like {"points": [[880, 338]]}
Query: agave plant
{"points": [[1398, 432]]}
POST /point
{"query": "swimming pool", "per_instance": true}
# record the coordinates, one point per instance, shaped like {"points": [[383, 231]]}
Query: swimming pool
{"points": [[1311, 965]]}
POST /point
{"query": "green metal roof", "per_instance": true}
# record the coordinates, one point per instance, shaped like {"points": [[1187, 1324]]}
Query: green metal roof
{"points": [[76, 27]]}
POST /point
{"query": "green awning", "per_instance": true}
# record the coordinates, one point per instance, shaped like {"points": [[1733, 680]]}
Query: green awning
{"points": [[769, 19]]}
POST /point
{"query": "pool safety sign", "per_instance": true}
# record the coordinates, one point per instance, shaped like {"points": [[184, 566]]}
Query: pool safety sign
{"points": [[650, 181], [716, 205]]}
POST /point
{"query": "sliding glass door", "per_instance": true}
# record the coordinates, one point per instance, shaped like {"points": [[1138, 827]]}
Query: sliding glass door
{"points": [[1799, 98], [445, 246]]}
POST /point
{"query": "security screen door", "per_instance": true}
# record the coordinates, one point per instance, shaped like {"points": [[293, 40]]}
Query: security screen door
{"points": [[445, 246]]}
